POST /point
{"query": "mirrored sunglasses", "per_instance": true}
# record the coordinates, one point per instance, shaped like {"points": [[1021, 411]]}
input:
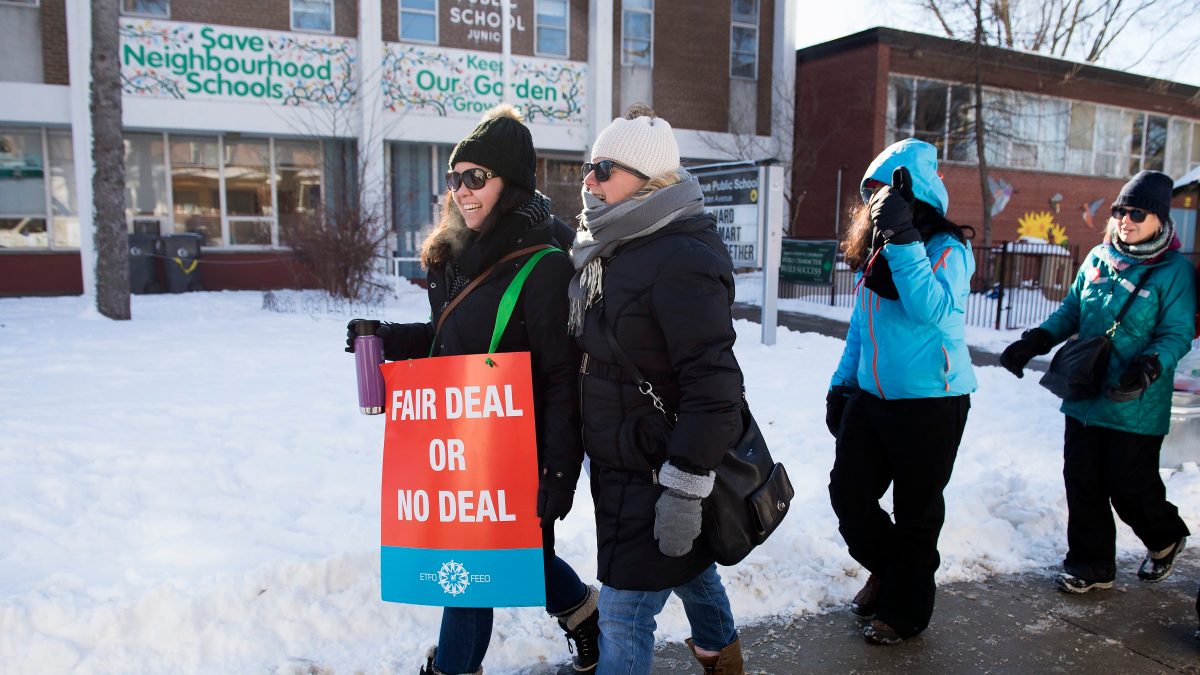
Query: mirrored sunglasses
{"points": [[1136, 215], [472, 178], [604, 168], [869, 188]]}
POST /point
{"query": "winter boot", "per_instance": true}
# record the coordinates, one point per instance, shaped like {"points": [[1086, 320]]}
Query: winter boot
{"points": [[1069, 583], [867, 600], [877, 632], [727, 662], [1158, 565], [430, 669], [582, 626]]}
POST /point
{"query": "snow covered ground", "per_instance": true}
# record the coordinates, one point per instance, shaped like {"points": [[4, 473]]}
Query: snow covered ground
{"points": [[195, 491]]}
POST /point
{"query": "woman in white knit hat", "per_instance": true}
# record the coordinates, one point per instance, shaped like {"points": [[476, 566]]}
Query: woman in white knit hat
{"points": [[650, 302]]}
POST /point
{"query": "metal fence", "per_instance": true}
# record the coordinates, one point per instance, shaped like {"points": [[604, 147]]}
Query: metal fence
{"points": [[1015, 285]]}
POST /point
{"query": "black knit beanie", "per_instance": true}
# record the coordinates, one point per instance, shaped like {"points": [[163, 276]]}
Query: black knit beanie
{"points": [[1149, 191], [503, 144]]}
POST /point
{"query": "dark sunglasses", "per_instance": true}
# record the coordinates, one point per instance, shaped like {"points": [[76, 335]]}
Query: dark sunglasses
{"points": [[869, 188], [472, 178], [604, 168], [1136, 215]]}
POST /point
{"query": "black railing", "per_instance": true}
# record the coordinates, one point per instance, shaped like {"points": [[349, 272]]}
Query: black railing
{"points": [[1015, 285]]}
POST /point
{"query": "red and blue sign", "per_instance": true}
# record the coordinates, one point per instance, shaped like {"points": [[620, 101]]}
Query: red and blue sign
{"points": [[459, 522]]}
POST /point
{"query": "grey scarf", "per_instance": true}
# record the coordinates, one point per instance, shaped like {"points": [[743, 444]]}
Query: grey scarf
{"points": [[604, 227]]}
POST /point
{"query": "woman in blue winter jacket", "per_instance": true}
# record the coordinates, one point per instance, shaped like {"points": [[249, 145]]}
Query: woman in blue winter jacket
{"points": [[898, 401], [1112, 441]]}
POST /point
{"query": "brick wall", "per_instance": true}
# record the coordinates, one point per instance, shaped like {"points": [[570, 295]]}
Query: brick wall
{"points": [[837, 104], [54, 42], [265, 14], [691, 64], [766, 65]]}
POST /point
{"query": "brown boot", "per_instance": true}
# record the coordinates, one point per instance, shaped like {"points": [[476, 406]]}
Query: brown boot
{"points": [[867, 600], [727, 662]]}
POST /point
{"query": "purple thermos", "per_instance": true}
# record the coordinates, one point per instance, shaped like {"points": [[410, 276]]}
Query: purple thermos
{"points": [[368, 354]]}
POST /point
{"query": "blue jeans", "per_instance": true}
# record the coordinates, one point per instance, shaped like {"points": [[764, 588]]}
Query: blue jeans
{"points": [[627, 622], [466, 631]]}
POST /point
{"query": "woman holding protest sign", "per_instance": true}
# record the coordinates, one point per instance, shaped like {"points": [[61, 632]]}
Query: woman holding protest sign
{"points": [[1136, 288], [493, 223], [653, 289], [898, 401]]}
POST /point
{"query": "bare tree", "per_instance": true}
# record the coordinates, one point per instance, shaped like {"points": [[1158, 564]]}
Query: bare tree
{"points": [[1081, 30], [748, 146], [108, 160]]}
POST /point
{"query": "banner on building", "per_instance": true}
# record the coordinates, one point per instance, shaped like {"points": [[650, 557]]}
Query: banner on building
{"points": [[461, 83], [195, 61], [459, 522], [732, 195]]}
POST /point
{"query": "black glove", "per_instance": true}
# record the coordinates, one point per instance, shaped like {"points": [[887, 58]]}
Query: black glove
{"points": [[553, 503], [1141, 372], [1033, 342], [835, 405], [891, 209], [383, 331]]}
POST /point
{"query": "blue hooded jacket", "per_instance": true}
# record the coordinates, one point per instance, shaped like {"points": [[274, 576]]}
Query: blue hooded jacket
{"points": [[913, 347]]}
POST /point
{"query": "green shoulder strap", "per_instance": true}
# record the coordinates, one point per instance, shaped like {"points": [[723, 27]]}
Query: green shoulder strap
{"points": [[508, 301]]}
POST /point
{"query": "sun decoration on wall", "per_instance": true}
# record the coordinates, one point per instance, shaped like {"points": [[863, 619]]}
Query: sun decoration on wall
{"points": [[1041, 225]]}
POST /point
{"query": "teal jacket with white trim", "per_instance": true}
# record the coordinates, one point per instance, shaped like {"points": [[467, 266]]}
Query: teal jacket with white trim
{"points": [[913, 347], [1160, 321]]}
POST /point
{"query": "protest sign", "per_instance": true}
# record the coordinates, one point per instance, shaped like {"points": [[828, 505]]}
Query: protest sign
{"points": [[459, 523]]}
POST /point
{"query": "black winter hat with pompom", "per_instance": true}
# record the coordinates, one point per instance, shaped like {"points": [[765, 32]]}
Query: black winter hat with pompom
{"points": [[503, 144]]}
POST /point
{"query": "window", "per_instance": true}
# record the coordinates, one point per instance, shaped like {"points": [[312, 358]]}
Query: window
{"points": [[28, 3], [23, 208], [65, 219], [312, 15], [297, 181], [418, 21], [196, 187], [551, 27], [156, 8], [637, 33], [145, 182], [743, 40], [248, 203]]}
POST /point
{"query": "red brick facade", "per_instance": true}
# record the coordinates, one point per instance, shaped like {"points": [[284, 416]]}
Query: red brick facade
{"points": [[54, 42], [841, 111]]}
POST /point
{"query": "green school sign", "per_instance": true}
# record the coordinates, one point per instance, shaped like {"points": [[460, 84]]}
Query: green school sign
{"points": [[185, 61], [807, 262]]}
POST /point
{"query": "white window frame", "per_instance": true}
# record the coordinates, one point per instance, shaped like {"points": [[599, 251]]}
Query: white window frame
{"points": [[733, 25], [47, 195], [332, 19], [147, 14], [638, 10], [566, 29], [1124, 157], [437, 6]]}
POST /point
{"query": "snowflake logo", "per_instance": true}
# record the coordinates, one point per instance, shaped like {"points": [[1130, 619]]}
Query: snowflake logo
{"points": [[453, 578]]}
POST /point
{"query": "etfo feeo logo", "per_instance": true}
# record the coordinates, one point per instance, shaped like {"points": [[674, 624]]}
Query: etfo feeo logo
{"points": [[454, 578]]}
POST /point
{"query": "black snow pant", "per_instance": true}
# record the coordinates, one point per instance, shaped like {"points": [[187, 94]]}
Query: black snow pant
{"points": [[910, 444], [1103, 466]]}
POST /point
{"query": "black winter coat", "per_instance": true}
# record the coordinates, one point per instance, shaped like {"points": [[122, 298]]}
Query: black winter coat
{"points": [[667, 299], [538, 325]]}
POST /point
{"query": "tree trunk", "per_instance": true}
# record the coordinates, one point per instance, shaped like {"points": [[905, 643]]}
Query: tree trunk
{"points": [[980, 145], [108, 162]]}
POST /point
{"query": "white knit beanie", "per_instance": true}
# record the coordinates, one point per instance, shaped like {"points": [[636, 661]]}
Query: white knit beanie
{"points": [[643, 143]]}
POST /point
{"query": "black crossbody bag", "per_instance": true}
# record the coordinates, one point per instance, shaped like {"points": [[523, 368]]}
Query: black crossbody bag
{"points": [[1078, 368], [752, 492]]}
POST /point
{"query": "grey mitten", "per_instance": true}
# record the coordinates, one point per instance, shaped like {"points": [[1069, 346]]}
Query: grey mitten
{"points": [[678, 511]]}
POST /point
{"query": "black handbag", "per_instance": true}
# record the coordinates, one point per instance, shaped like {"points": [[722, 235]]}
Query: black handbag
{"points": [[1078, 368], [752, 492]]}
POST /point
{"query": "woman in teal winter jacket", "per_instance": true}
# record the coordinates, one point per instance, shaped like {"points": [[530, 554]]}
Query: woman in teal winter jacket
{"points": [[898, 401], [1112, 441]]}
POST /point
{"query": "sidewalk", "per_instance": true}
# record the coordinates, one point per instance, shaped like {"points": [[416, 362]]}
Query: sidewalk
{"points": [[808, 323], [1007, 624]]}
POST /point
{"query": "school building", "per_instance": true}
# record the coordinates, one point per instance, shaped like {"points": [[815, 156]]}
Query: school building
{"points": [[1061, 138], [241, 118]]}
